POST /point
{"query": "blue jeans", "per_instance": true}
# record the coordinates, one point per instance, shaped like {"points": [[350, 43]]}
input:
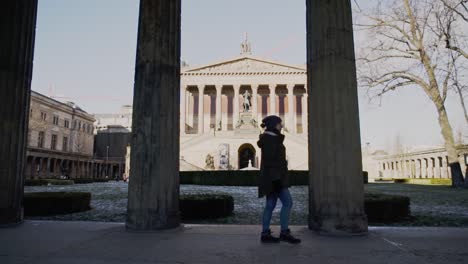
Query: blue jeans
{"points": [[286, 201]]}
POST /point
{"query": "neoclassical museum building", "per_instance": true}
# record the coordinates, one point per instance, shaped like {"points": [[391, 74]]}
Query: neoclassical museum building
{"points": [[222, 105]]}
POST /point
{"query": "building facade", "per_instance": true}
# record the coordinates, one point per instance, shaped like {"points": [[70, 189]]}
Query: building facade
{"points": [[122, 120], [61, 141], [222, 105]]}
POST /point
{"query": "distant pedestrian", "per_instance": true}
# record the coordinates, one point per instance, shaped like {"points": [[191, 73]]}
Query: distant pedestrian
{"points": [[273, 182]]}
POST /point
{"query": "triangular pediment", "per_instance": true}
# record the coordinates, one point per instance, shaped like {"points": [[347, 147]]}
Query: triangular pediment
{"points": [[245, 64]]}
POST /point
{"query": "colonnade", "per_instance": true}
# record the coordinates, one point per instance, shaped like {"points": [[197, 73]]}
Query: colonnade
{"points": [[40, 167], [433, 165], [221, 105], [336, 191]]}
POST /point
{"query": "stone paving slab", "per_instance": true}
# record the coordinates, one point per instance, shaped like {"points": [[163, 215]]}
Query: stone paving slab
{"points": [[91, 242]]}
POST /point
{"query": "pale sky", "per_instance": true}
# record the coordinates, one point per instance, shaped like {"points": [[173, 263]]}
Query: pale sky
{"points": [[85, 52]]}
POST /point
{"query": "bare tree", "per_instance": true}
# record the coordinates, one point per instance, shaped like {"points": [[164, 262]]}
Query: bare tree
{"points": [[405, 49], [451, 23], [454, 11]]}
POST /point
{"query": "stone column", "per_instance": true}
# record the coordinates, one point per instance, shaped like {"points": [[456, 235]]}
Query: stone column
{"points": [[17, 34], [219, 88], [61, 165], [444, 170], [291, 110], [273, 100], [437, 168], [93, 170], [400, 169], [38, 169], [183, 105], [254, 103], [305, 120], [89, 170], [413, 168], [430, 167], [48, 168], [420, 167], [449, 171], [423, 168], [407, 169], [235, 114], [201, 109], [33, 167], [153, 199], [396, 169], [190, 105], [336, 189], [78, 169], [56, 172]]}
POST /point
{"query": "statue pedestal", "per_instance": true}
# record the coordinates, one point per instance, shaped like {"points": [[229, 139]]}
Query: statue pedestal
{"points": [[247, 124]]}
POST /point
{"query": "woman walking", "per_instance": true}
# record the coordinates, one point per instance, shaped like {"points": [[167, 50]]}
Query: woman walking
{"points": [[273, 181]]}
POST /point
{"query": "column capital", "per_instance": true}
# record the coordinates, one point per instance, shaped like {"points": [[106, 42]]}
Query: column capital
{"points": [[219, 88]]}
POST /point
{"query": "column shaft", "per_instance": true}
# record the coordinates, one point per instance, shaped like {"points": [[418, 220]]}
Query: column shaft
{"points": [[218, 107], [273, 100], [437, 168], [254, 102], [305, 120], [336, 190], [17, 34], [201, 109], [291, 111], [153, 199], [183, 105], [235, 114]]}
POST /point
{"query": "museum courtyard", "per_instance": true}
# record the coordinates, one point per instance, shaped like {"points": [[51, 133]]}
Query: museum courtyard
{"points": [[430, 205]]}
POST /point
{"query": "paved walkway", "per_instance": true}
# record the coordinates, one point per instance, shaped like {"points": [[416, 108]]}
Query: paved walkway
{"points": [[91, 242]]}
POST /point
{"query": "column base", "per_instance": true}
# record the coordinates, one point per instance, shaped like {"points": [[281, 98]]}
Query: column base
{"points": [[355, 225], [151, 220], [11, 217]]}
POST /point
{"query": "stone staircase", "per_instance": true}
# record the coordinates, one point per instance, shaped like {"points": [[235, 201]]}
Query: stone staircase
{"points": [[194, 140], [297, 138]]}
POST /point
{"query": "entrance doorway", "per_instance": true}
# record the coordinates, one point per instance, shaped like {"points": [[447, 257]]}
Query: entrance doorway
{"points": [[246, 153]]}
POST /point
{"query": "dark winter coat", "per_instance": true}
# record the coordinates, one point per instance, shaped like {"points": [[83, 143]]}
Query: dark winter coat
{"points": [[274, 166]]}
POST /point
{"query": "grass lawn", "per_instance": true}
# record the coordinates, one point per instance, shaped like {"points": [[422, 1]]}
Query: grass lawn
{"points": [[430, 205]]}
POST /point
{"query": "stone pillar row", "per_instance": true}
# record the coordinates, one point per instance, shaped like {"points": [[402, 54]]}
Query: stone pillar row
{"points": [[420, 167], [336, 203], [292, 115], [49, 167]]}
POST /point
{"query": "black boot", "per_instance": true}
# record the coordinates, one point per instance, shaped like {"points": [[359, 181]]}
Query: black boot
{"points": [[268, 238], [287, 237]]}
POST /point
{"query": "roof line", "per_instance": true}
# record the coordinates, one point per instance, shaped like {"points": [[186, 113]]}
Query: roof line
{"points": [[238, 58]]}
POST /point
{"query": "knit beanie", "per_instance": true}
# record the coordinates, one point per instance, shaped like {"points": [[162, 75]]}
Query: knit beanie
{"points": [[270, 122]]}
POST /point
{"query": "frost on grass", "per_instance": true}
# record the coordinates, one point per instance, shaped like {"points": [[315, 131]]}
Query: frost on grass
{"points": [[432, 205]]}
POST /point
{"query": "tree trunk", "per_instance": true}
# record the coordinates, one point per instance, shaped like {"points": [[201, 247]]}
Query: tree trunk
{"points": [[447, 134]]}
